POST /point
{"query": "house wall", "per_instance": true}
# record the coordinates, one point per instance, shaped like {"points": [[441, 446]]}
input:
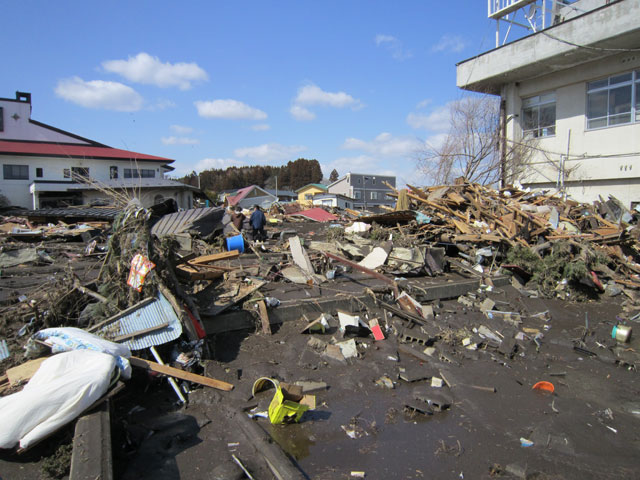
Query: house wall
{"points": [[22, 129], [312, 190], [149, 196], [17, 191], [332, 201], [604, 161]]}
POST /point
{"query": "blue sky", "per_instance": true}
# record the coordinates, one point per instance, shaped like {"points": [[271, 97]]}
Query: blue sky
{"points": [[358, 85]]}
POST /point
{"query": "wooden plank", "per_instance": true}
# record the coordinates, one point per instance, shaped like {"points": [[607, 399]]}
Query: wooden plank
{"points": [[462, 227], [215, 257], [264, 317], [24, 372], [181, 374], [193, 274]]}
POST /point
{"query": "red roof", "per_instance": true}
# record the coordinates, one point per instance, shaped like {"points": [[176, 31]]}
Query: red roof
{"points": [[317, 214], [240, 194], [73, 151]]}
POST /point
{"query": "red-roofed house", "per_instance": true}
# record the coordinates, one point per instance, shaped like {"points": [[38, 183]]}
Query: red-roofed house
{"points": [[41, 165], [249, 196]]}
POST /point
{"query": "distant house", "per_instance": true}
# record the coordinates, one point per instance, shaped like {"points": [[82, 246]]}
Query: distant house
{"points": [[366, 190], [333, 200], [306, 193], [247, 197], [283, 195], [43, 166]]}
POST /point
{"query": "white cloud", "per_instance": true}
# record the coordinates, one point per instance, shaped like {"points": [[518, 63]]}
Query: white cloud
{"points": [[143, 68], [261, 127], [424, 103], [312, 95], [181, 129], [438, 120], [99, 94], [180, 141], [301, 113], [393, 46], [231, 109], [386, 145], [269, 152], [449, 43]]}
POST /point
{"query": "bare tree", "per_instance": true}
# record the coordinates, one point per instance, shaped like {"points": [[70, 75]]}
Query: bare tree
{"points": [[473, 148]]}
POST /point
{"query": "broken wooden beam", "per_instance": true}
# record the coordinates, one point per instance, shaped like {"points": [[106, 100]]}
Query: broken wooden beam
{"points": [[181, 374]]}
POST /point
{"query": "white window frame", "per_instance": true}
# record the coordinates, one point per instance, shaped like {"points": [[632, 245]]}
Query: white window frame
{"points": [[538, 102], [374, 195], [609, 119]]}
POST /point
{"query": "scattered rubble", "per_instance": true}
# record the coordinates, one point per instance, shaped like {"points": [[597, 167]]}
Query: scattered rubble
{"points": [[465, 297]]}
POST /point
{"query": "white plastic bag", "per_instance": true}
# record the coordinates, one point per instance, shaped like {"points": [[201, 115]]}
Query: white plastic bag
{"points": [[70, 338], [63, 387]]}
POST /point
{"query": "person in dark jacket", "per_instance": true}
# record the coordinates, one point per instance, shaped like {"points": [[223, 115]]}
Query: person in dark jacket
{"points": [[258, 221], [237, 218]]}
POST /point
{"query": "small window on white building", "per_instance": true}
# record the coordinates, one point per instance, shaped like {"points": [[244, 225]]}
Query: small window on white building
{"points": [[113, 172], [39, 172], [15, 172], [139, 173], [539, 115], [613, 101]]}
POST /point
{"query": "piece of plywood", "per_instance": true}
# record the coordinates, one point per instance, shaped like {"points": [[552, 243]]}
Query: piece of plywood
{"points": [[264, 317]]}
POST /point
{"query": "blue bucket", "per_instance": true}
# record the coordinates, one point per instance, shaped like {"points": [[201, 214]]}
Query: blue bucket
{"points": [[235, 243]]}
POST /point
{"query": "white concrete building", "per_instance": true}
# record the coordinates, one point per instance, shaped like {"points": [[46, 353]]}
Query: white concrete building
{"points": [[41, 163], [574, 87]]}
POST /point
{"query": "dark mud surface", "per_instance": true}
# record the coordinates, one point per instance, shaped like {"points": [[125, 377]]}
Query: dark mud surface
{"points": [[586, 429]]}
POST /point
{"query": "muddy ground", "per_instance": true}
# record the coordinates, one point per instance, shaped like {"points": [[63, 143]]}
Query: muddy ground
{"points": [[586, 429]]}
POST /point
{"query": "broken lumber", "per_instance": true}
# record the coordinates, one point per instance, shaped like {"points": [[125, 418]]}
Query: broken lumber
{"points": [[181, 374]]}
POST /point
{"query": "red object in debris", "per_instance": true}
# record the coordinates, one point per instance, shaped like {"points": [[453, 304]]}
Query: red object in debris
{"points": [[596, 281], [317, 214], [196, 324], [544, 387], [374, 326]]}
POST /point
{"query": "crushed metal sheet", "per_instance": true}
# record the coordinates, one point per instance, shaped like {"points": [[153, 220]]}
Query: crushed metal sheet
{"points": [[155, 313], [204, 220]]}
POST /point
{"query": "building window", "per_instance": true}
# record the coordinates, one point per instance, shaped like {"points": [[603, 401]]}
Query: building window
{"points": [[614, 100], [373, 180], [16, 172], [139, 173], [39, 173], [357, 194], [113, 173], [374, 195], [539, 115], [359, 181]]}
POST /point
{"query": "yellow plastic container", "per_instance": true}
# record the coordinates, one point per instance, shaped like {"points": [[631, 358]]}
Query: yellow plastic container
{"points": [[285, 407]]}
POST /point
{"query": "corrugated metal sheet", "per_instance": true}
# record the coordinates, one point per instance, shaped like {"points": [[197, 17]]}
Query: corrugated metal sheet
{"points": [[97, 213], [204, 220], [156, 313], [4, 350]]}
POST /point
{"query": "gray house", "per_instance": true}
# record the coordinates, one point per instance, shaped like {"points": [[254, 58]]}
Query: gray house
{"points": [[366, 190]]}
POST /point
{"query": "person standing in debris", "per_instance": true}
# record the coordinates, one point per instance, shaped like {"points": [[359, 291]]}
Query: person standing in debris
{"points": [[258, 221], [237, 218]]}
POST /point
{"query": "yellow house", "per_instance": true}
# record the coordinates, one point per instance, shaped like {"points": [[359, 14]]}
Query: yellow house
{"points": [[306, 193]]}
